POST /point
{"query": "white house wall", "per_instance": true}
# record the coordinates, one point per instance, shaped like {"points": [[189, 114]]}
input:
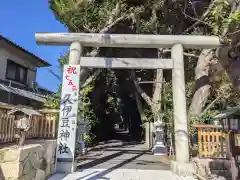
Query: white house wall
{"points": [[17, 57]]}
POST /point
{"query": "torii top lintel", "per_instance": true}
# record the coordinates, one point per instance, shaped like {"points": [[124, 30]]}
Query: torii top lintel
{"points": [[129, 40]]}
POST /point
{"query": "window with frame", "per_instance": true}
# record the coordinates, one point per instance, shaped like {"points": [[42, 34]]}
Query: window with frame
{"points": [[16, 72]]}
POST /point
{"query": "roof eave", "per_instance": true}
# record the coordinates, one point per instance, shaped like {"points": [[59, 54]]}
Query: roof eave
{"points": [[41, 62]]}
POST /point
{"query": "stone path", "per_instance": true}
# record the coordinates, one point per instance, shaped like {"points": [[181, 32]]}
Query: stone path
{"points": [[129, 162], [120, 174]]}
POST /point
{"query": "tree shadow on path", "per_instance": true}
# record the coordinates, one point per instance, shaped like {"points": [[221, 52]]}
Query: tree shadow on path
{"points": [[102, 174]]}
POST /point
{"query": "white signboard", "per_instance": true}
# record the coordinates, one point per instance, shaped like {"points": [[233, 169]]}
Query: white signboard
{"points": [[68, 113]]}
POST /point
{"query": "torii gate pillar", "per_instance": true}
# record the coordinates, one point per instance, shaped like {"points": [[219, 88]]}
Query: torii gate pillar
{"points": [[182, 165], [179, 104]]}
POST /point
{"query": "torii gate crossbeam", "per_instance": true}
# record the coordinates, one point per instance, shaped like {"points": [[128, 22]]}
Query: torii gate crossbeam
{"points": [[176, 42]]}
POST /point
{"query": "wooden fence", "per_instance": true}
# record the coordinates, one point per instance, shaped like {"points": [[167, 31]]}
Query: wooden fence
{"points": [[40, 127], [211, 141]]}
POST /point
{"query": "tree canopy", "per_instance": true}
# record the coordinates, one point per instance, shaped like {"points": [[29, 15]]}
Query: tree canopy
{"points": [[110, 96]]}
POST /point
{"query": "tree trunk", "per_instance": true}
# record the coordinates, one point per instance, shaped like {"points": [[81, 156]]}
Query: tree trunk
{"points": [[157, 94], [202, 85], [140, 91], [108, 29], [229, 56], [202, 70], [154, 103], [147, 131]]}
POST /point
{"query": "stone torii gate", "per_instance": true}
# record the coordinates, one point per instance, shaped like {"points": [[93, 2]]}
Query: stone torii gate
{"points": [[67, 126]]}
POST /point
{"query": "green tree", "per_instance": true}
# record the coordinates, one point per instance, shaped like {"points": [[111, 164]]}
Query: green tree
{"points": [[109, 94]]}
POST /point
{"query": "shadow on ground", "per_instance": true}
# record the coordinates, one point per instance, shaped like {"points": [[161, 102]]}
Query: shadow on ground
{"points": [[110, 144], [103, 173], [139, 159]]}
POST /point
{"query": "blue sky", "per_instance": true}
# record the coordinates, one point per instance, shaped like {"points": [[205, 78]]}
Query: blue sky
{"points": [[19, 20]]}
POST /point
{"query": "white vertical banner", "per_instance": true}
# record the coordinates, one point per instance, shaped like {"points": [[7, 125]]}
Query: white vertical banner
{"points": [[68, 113]]}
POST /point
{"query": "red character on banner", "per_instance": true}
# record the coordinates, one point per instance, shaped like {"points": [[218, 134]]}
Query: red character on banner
{"points": [[70, 83], [71, 70], [67, 77], [69, 80], [74, 88]]}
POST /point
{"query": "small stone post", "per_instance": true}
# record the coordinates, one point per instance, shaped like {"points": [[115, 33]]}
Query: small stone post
{"points": [[147, 134]]}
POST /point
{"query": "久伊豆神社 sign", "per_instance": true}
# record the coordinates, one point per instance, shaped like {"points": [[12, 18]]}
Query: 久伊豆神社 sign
{"points": [[68, 112]]}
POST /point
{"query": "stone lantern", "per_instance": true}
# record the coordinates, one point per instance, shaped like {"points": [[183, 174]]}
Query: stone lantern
{"points": [[159, 147], [22, 122]]}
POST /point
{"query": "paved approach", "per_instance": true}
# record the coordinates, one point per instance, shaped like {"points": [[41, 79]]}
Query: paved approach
{"points": [[123, 162]]}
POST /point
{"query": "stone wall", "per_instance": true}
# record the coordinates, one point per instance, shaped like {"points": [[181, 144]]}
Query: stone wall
{"points": [[212, 168], [30, 162]]}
